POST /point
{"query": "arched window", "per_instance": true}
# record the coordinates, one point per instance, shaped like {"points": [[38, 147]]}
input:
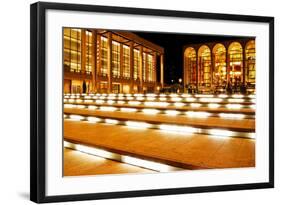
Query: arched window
{"points": [[190, 65], [250, 62], [219, 72], [235, 54], [204, 66]]}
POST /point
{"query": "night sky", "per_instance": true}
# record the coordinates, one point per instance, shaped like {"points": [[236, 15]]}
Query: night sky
{"points": [[173, 44]]}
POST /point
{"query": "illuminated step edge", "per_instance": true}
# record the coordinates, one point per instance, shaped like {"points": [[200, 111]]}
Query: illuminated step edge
{"points": [[168, 111], [143, 163], [211, 105], [151, 95], [202, 100], [180, 129]]}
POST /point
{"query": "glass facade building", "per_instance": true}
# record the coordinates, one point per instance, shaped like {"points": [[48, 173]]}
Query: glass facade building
{"points": [[218, 66], [110, 61]]}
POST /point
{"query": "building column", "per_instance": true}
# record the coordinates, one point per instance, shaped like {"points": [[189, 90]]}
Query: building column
{"points": [[83, 50], [197, 73], [98, 70], [154, 78], [212, 68], [244, 66], [121, 68], [162, 70], [227, 67], [94, 60], [131, 67], [109, 63], [141, 69]]}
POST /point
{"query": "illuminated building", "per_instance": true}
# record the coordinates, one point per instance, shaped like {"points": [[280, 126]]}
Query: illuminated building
{"points": [[212, 66], [110, 62]]}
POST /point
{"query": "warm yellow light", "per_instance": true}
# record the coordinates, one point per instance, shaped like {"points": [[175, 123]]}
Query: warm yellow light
{"points": [[215, 100], [93, 119], [253, 106], [150, 111], [76, 117], [234, 106], [121, 98], [177, 128], [105, 108], [134, 102], [120, 102], [150, 95], [197, 114], [99, 101], [162, 99], [204, 96], [146, 164], [185, 95], [129, 98], [223, 96], [161, 104], [235, 100], [196, 105], [80, 106], [110, 102], [231, 115], [190, 99], [219, 132], [79, 100], [92, 107], [213, 105], [178, 104], [125, 109], [176, 99], [69, 106], [140, 98], [138, 124], [150, 98], [111, 121], [111, 98], [237, 96], [88, 101], [172, 112], [93, 151]]}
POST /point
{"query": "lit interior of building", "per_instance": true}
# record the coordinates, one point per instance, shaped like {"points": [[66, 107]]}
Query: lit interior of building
{"points": [[110, 62], [214, 67]]}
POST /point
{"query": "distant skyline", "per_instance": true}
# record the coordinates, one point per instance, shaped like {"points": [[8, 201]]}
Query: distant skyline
{"points": [[173, 44]]}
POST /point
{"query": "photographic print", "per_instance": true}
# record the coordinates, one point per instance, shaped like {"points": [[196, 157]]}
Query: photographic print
{"points": [[143, 102], [129, 102]]}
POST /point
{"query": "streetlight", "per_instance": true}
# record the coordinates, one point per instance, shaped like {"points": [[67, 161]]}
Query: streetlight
{"points": [[180, 80]]}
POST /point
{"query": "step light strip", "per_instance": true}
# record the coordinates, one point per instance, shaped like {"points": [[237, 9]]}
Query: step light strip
{"points": [[163, 126], [170, 112], [147, 164]]}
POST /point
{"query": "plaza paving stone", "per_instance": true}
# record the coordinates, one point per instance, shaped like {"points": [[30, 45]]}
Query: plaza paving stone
{"points": [[191, 151]]}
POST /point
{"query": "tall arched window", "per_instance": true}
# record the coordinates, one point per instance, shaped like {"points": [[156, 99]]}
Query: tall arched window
{"points": [[235, 54], [250, 62], [204, 66], [190, 65], [219, 73]]}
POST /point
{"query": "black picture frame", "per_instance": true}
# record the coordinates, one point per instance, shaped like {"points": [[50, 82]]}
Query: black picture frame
{"points": [[38, 101]]}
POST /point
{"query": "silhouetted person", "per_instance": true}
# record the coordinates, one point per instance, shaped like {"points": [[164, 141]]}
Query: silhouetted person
{"points": [[84, 87]]}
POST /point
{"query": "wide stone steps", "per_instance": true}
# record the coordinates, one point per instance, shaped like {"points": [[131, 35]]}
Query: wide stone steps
{"points": [[186, 151], [239, 125]]}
